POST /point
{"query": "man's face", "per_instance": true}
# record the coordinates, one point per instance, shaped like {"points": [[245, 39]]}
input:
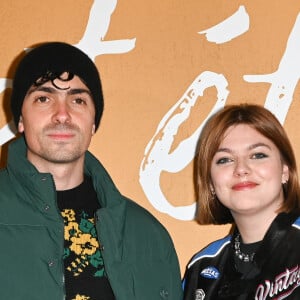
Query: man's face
{"points": [[58, 122]]}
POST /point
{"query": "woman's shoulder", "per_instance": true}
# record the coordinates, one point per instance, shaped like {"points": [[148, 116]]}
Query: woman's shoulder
{"points": [[211, 250], [296, 223]]}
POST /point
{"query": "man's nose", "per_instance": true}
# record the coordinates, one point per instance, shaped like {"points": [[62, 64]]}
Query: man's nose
{"points": [[61, 113]]}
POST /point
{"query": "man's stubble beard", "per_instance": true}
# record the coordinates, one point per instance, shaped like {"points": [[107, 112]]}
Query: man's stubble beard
{"points": [[60, 155], [61, 152]]}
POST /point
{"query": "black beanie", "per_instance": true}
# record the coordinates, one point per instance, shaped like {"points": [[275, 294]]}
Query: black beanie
{"points": [[55, 57]]}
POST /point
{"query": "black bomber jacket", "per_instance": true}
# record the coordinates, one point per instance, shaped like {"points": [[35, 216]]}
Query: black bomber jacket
{"points": [[274, 273]]}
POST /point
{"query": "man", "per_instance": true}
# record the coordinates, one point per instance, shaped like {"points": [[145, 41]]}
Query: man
{"points": [[65, 230]]}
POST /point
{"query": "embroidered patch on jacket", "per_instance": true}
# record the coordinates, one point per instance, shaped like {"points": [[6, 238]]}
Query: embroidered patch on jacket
{"points": [[199, 294], [210, 273]]}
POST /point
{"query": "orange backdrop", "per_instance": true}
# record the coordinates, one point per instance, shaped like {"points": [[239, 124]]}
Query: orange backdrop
{"points": [[165, 66]]}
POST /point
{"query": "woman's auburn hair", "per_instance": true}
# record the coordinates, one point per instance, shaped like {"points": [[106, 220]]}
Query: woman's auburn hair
{"points": [[210, 210]]}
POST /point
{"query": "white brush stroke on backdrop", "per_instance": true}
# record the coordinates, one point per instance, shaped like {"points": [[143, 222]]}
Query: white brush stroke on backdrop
{"points": [[232, 27], [157, 156], [284, 80]]}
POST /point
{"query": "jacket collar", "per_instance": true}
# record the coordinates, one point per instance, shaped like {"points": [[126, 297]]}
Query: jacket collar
{"points": [[20, 166], [113, 204]]}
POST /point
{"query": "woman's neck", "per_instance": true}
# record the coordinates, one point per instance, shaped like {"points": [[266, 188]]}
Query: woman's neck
{"points": [[254, 227]]}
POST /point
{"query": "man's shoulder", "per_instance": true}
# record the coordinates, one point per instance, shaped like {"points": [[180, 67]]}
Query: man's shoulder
{"points": [[3, 176], [143, 220], [139, 213], [3, 171]]}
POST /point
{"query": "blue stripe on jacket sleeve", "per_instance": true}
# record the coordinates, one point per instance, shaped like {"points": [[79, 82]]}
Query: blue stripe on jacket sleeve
{"points": [[211, 250], [297, 223]]}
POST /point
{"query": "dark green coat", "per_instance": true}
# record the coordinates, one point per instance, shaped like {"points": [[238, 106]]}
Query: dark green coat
{"points": [[139, 255]]}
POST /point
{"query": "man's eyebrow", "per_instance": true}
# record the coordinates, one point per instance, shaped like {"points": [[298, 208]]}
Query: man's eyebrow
{"points": [[79, 91], [52, 90], [41, 89]]}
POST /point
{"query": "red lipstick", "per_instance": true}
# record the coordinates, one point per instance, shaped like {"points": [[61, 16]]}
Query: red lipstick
{"points": [[246, 185]]}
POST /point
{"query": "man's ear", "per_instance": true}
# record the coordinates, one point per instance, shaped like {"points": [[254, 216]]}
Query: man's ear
{"points": [[20, 125], [93, 129]]}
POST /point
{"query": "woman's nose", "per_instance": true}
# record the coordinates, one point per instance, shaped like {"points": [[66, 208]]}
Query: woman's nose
{"points": [[242, 168]]}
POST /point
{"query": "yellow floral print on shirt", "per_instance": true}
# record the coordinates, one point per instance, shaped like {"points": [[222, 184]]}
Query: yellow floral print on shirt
{"points": [[79, 297], [80, 233]]}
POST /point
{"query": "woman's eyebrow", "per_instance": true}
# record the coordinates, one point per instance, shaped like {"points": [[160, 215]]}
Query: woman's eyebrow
{"points": [[251, 147]]}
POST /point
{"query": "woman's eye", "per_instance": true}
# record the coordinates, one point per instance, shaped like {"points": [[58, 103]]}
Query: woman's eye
{"points": [[259, 155], [223, 160]]}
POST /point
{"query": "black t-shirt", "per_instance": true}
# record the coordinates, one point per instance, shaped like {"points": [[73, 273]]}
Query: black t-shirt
{"points": [[246, 267], [85, 277]]}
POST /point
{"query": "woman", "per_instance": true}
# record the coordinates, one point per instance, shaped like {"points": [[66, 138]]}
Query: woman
{"points": [[247, 176]]}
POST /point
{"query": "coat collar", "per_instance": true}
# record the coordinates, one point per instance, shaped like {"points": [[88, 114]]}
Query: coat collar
{"points": [[113, 205]]}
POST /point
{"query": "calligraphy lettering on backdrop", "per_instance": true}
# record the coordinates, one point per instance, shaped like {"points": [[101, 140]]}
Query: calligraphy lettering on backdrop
{"points": [[91, 43], [157, 156]]}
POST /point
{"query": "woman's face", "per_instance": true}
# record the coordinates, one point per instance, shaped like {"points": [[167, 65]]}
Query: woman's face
{"points": [[247, 172]]}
